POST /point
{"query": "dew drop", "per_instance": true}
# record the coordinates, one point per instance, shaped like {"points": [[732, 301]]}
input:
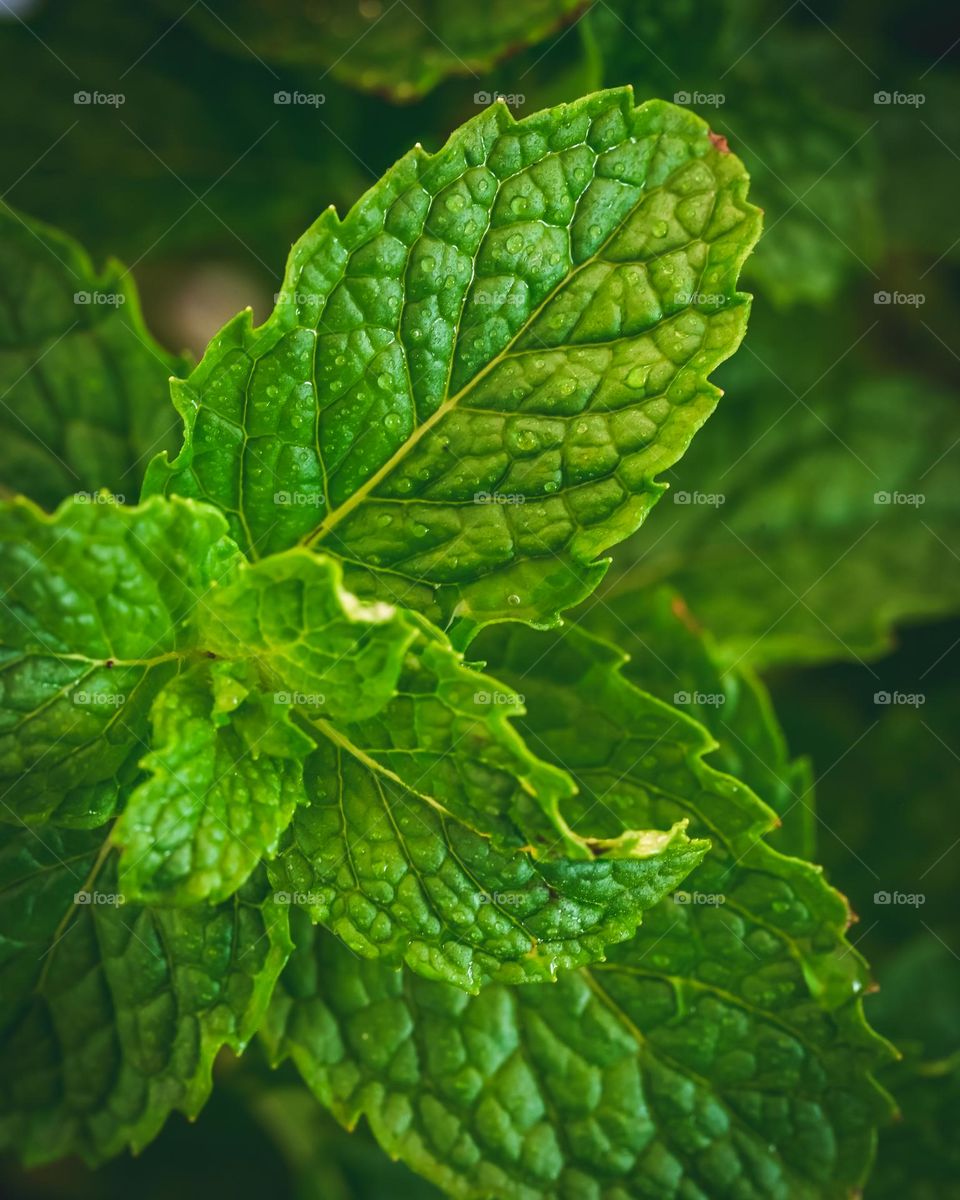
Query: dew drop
{"points": [[513, 599], [456, 202], [383, 380], [296, 420], [449, 282], [638, 377], [519, 204], [514, 243], [660, 229], [428, 264], [339, 360], [271, 390], [384, 520], [595, 232], [393, 421], [419, 530], [551, 486]]}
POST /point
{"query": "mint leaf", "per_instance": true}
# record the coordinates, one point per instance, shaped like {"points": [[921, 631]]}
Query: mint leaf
{"points": [[111, 1014], [85, 387], [222, 792], [94, 621], [722, 1048], [413, 842], [833, 529], [396, 877], [403, 50], [527, 318], [674, 659]]}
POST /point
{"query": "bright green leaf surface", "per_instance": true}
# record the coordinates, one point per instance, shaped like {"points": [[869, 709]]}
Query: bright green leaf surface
{"points": [[94, 620], [471, 382], [222, 791], [111, 1014], [411, 844], [401, 49], [85, 388], [722, 1052]]}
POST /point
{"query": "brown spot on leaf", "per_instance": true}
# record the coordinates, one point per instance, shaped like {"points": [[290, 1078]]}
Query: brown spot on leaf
{"points": [[720, 142]]}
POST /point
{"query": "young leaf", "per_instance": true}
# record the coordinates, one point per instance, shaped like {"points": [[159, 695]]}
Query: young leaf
{"points": [[221, 792], [95, 618], [721, 1051], [111, 1014], [470, 382], [85, 387], [404, 50]]}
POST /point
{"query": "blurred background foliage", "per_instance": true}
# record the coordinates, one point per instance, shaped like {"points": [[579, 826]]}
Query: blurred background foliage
{"points": [[200, 180]]}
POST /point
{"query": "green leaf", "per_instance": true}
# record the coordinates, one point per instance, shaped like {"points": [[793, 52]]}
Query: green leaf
{"points": [[672, 658], [831, 527], [103, 604], [403, 50], [111, 1014], [721, 1052], [222, 792], [397, 878], [308, 633], [413, 843], [753, 76], [97, 601], [471, 382], [85, 388]]}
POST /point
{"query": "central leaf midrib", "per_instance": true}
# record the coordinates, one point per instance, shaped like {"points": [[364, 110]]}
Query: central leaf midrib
{"points": [[338, 514]]}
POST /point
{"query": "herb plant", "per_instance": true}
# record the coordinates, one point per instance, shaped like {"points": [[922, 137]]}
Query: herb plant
{"points": [[337, 727]]}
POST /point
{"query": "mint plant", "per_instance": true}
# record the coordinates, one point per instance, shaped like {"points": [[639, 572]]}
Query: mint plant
{"points": [[300, 746]]}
